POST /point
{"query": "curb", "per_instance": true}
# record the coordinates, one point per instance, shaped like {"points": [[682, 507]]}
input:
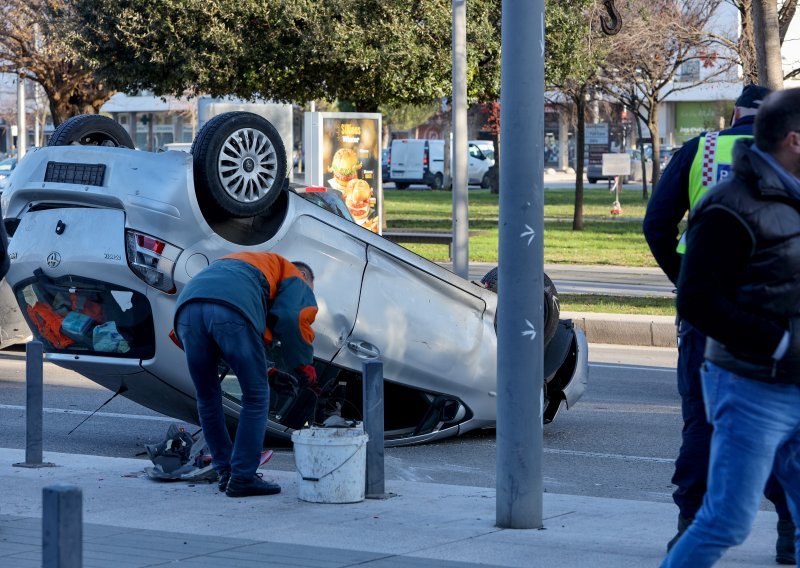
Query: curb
{"points": [[625, 329]]}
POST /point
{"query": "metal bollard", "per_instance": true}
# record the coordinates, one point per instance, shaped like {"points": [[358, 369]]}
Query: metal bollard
{"points": [[34, 388], [62, 526], [373, 426]]}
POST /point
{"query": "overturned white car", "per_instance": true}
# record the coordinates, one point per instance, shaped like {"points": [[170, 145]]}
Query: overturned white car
{"points": [[103, 237]]}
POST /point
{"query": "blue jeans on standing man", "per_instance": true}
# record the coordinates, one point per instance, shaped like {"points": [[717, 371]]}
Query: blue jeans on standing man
{"points": [[691, 466], [756, 430], [210, 331]]}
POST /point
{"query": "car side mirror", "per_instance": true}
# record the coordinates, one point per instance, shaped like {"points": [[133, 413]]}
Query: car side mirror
{"points": [[452, 411]]}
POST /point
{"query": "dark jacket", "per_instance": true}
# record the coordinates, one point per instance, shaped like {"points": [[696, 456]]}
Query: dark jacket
{"points": [[5, 261], [745, 301], [670, 201], [266, 289]]}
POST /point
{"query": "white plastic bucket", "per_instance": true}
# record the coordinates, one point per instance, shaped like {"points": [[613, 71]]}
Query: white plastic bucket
{"points": [[331, 464]]}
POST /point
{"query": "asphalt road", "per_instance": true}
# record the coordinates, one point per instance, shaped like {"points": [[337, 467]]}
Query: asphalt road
{"points": [[618, 441]]}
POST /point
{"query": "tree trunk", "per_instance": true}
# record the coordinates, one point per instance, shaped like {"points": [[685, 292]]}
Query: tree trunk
{"points": [[447, 181], [652, 126], [642, 157], [747, 50], [494, 171], [766, 33], [580, 149]]}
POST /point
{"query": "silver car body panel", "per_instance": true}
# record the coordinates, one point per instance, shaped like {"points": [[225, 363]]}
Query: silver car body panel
{"points": [[432, 330], [13, 327]]}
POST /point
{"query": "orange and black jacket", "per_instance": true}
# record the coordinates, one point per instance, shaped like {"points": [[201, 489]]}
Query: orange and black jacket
{"points": [[266, 289]]}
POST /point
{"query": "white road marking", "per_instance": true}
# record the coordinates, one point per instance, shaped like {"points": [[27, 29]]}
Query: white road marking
{"points": [[635, 408], [103, 414], [631, 367], [608, 456]]}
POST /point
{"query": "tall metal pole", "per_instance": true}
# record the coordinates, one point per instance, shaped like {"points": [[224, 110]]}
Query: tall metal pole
{"points": [[22, 129], [520, 280], [459, 146]]}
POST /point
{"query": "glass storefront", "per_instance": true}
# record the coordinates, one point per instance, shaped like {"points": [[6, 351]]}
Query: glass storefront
{"points": [[693, 118]]}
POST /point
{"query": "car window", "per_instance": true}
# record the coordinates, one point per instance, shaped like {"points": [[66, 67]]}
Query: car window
{"points": [[475, 152], [8, 164], [330, 201]]}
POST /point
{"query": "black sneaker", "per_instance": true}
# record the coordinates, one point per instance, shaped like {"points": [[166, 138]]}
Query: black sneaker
{"points": [[251, 487], [683, 524], [784, 547], [222, 482]]}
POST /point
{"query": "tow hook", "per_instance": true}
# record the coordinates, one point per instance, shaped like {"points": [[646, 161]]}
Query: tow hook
{"points": [[612, 23]]}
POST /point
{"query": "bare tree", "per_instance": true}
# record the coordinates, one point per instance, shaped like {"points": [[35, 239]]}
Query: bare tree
{"points": [[745, 47], [35, 38], [573, 55], [661, 37]]}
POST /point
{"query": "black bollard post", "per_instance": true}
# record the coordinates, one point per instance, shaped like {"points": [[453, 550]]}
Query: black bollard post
{"points": [[62, 526], [373, 426], [34, 402]]}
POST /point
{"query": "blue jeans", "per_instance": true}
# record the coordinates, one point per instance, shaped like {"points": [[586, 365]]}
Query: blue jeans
{"points": [[691, 466], [209, 331], [756, 431]]}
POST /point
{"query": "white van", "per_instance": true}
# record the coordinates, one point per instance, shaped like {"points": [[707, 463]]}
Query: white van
{"points": [[421, 162]]}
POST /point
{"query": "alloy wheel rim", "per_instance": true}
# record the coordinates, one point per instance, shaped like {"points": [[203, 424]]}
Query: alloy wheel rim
{"points": [[247, 165]]}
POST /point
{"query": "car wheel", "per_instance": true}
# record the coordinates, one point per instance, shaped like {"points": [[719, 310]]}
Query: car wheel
{"points": [[438, 182], [486, 183], [239, 163], [592, 180], [91, 130], [401, 185], [552, 308]]}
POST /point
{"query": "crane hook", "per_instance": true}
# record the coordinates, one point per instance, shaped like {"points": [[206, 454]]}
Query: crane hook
{"points": [[612, 23]]}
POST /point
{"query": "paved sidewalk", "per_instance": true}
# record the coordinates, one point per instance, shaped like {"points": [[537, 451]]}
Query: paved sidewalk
{"points": [[131, 521]]}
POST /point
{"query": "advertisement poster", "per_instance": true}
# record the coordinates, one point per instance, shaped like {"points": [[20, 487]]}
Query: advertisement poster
{"points": [[349, 162]]}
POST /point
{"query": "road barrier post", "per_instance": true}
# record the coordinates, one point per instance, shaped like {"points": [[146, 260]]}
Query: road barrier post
{"points": [[34, 388], [62, 526], [373, 426]]}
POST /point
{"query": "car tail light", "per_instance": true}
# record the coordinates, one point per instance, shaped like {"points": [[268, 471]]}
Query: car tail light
{"points": [[389, 158], [315, 189], [425, 158], [152, 260]]}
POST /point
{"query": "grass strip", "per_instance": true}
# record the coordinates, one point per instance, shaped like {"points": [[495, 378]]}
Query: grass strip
{"points": [[644, 305], [605, 239]]}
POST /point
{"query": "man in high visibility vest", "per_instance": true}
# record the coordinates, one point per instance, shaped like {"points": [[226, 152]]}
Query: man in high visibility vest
{"points": [[700, 164]]}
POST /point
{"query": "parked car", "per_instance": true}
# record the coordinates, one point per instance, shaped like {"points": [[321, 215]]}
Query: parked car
{"points": [[421, 162], [386, 160], [7, 166], [104, 238]]}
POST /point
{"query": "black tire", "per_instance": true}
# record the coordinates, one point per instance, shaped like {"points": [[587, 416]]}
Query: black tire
{"points": [[552, 308], [592, 180], [438, 182], [486, 182], [91, 130], [401, 185], [239, 164]]}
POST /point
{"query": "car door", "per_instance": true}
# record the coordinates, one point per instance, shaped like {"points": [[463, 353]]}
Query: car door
{"points": [[425, 330]]}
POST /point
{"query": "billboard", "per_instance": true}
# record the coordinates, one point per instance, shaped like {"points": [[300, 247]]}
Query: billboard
{"points": [[343, 153]]}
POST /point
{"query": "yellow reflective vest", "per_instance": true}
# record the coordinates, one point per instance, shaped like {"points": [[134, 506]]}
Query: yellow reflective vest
{"points": [[712, 163]]}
